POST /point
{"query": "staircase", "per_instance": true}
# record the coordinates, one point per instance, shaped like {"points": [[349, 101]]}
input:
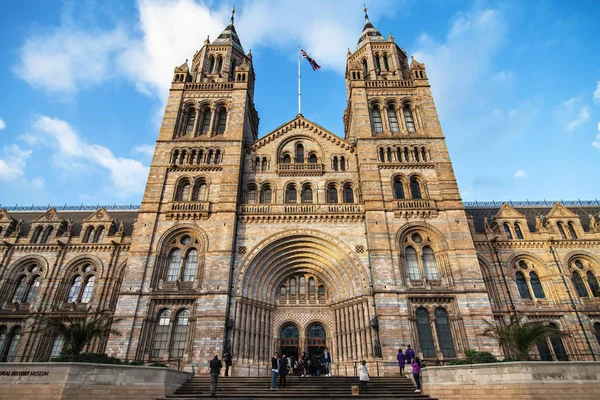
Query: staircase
{"points": [[297, 388]]}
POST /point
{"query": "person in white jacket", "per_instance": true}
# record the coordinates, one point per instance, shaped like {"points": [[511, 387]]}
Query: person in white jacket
{"points": [[363, 375]]}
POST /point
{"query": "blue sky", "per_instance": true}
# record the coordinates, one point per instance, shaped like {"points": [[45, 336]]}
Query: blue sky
{"points": [[83, 85]]}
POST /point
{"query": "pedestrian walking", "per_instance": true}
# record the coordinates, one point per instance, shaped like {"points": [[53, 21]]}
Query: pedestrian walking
{"points": [[215, 370], [304, 363], [409, 354], [283, 370], [227, 357], [416, 366], [363, 375], [274, 370], [401, 357], [326, 360]]}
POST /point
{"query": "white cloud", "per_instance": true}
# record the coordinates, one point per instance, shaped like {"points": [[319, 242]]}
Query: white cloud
{"points": [[127, 175], [2, 124], [582, 116], [145, 149], [13, 162], [460, 65], [596, 143], [503, 77], [597, 93], [520, 174]]}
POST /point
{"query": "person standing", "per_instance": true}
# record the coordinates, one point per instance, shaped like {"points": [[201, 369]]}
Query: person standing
{"points": [[409, 355], [304, 361], [215, 370], [274, 370], [326, 360], [363, 375], [416, 366], [227, 358], [283, 370], [401, 357]]}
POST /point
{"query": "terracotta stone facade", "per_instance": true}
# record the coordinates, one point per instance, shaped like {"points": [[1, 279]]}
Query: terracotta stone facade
{"points": [[300, 239]]}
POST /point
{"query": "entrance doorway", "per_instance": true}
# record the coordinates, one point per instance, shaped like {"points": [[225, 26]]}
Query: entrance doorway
{"points": [[316, 339], [289, 341]]}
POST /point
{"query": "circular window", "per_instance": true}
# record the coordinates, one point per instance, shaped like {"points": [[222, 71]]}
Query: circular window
{"points": [[87, 268], [185, 240], [417, 238], [522, 264], [33, 268], [579, 264]]}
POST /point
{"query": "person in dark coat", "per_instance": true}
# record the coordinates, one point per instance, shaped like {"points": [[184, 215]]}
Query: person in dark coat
{"points": [[227, 357], [326, 360], [315, 365], [274, 370], [409, 354], [283, 370], [215, 370], [304, 360], [401, 357]]}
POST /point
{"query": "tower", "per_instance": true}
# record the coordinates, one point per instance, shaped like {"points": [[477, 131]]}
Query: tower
{"points": [[173, 304]]}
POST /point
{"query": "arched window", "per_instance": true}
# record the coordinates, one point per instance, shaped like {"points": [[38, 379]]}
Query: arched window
{"points": [[32, 289], [444, 333], [415, 188], [88, 290], [393, 119], [257, 164], [311, 285], [377, 63], [406, 158], [74, 289], [20, 290], [99, 234], [10, 348], [385, 62], [348, 194], [205, 121], [221, 121], [423, 154], [572, 230], [424, 333], [381, 155], [335, 163], [365, 68], [161, 334], [558, 346], [398, 189], [251, 197], [342, 163], [183, 194], [509, 235], [408, 118], [300, 153], [191, 265], [289, 331], [293, 286], [232, 69], [200, 191], [316, 331], [37, 235], [389, 154], [282, 290], [561, 229], [291, 194], [47, 234], [266, 194], [302, 285], [536, 285], [377, 122], [518, 231], [211, 66], [219, 64], [191, 118], [522, 286], [321, 290], [57, 346], [332, 196], [430, 264], [544, 350], [312, 158], [307, 194], [416, 154], [412, 264], [89, 234], [174, 263], [593, 284], [596, 332], [180, 333], [287, 159], [579, 285]]}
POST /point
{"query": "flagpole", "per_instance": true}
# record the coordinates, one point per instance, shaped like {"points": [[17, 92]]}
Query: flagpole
{"points": [[299, 94]]}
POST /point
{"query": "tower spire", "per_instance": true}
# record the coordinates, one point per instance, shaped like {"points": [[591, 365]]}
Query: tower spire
{"points": [[366, 15], [232, 14]]}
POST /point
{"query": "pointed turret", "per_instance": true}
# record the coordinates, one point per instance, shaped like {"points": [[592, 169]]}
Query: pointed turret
{"points": [[369, 33], [229, 35]]}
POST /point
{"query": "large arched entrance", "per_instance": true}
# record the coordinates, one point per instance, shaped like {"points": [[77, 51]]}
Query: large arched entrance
{"points": [[301, 291]]}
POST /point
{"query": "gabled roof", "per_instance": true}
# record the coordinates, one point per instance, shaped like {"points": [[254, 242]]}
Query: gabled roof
{"points": [[369, 33], [299, 122], [49, 216], [506, 211], [230, 37], [99, 216], [5, 216], [560, 211]]}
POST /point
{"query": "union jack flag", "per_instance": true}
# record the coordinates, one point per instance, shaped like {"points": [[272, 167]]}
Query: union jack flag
{"points": [[312, 62]]}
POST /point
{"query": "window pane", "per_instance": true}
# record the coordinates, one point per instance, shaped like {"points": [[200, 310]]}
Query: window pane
{"points": [[252, 195], [316, 331], [593, 283], [311, 286], [289, 332], [205, 121], [265, 195], [408, 119], [579, 286], [412, 264], [596, 332], [287, 159], [3, 337], [291, 195], [430, 264], [398, 189], [415, 189], [191, 265], [393, 119], [342, 164], [20, 290], [377, 123], [425, 334], [507, 231], [544, 350], [57, 346], [312, 158], [180, 332], [335, 163], [293, 286], [302, 285], [13, 343], [518, 231], [222, 122], [536, 285], [161, 334], [444, 333], [558, 347], [300, 154], [174, 264], [561, 229], [88, 289], [333, 198], [348, 195], [307, 195], [190, 122], [74, 290], [522, 286], [572, 230]]}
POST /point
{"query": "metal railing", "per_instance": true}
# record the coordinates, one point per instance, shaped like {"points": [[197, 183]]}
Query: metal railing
{"points": [[82, 207], [527, 203]]}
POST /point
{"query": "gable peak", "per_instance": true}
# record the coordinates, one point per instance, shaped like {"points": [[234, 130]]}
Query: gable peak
{"points": [[560, 211], [507, 211]]}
